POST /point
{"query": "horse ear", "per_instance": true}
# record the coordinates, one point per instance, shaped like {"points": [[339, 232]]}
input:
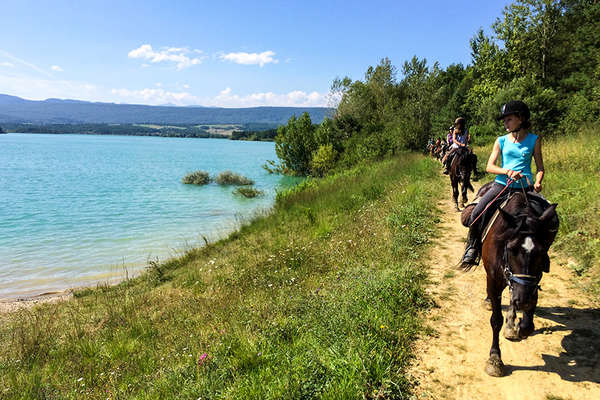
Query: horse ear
{"points": [[548, 213], [512, 221]]}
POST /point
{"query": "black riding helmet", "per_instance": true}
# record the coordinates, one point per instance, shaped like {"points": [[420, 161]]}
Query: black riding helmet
{"points": [[515, 107]]}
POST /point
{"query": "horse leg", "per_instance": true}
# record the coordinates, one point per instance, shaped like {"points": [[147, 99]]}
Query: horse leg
{"points": [[494, 365], [511, 332], [455, 194], [526, 326], [463, 190]]}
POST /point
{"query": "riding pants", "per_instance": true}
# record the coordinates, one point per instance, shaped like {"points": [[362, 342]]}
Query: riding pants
{"points": [[490, 195]]}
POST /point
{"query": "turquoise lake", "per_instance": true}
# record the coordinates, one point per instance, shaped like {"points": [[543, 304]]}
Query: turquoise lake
{"points": [[79, 210]]}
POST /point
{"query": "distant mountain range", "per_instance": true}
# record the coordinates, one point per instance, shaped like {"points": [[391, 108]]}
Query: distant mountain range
{"points": [[56, 111]]}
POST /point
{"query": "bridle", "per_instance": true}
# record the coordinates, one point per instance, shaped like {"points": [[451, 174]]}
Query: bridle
{"points": [[521, 279]]}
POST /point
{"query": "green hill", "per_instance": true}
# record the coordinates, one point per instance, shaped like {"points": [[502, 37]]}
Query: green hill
{"points": [[53, 111]]}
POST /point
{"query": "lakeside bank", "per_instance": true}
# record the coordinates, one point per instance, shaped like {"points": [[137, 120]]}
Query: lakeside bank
{"points": [[322, 296]]}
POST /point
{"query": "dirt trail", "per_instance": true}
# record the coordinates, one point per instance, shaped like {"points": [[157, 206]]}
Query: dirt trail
{"points": [[560, 361]]}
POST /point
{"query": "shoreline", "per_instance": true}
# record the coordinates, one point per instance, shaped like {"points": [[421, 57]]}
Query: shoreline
{"points": [[12, 305]]}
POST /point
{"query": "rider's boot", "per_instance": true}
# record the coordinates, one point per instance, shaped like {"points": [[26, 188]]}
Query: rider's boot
{"points": [[446, 166], [473, 249]]}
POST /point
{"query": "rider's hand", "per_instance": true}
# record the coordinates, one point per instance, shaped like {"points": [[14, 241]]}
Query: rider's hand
{"points": [[537, 187], [514, 175]]}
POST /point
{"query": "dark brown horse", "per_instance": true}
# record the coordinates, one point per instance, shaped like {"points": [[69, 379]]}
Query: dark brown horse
{"points": [[460, 172], [515, 254]]}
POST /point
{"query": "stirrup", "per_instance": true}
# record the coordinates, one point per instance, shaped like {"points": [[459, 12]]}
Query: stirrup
{"points": [[470, 258]]}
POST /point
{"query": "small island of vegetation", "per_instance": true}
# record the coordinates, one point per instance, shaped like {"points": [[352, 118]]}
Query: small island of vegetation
{"points": [[248, 192], [230, 178], [196, 178]]}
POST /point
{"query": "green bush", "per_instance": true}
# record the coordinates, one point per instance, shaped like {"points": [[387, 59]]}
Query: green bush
{"points": [[248, 192], [580, 112], [323, 160], [197, 178], [230, 178]]}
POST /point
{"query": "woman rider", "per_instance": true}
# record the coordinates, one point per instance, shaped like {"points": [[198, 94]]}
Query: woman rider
{"points": [[516, 148], [450, 135], [460, 138]]}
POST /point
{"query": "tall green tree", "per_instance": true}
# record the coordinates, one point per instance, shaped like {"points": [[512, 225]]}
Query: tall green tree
{"points": [[295, 144]]}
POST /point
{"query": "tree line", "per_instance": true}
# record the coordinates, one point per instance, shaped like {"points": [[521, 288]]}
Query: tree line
{"points": [[544, 52]]}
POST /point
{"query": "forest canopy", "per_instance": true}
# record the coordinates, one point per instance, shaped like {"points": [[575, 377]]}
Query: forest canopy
{"points": [[543, 52]]}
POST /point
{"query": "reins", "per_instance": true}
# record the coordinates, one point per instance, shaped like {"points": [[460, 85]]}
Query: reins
{"points": [[508, 182]]}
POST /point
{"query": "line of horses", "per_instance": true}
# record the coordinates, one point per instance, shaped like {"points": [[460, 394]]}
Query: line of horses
{"points": [[514, 251], [463, 164], [437, 149]]}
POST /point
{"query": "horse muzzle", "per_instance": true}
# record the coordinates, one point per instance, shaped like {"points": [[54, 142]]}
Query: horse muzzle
{"points": [[524, 298]]}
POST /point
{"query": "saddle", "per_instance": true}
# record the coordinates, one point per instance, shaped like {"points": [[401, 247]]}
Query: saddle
{"points": [[488, 217]]}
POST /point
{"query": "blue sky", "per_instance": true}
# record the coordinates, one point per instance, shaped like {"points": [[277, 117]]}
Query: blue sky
{"points": [[221, 53]]}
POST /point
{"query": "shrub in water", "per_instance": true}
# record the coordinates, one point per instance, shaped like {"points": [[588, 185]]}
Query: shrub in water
{"points": [[229, 178], [196, 178], [248, 192]]}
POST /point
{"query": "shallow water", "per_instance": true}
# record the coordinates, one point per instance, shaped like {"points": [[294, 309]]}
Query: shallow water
{"points": [[81, 209]]}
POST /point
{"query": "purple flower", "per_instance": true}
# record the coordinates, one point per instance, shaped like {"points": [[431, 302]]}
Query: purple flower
{"points": [[202, 358]]}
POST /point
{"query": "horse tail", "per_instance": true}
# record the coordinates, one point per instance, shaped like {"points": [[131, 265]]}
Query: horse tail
{"points": [[469, 186]]}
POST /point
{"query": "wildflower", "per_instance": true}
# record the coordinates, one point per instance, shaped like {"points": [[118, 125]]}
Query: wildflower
{"points": [[80, 379], [202, 359]]}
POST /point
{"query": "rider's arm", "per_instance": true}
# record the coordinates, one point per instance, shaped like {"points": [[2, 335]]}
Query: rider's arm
{"points": [[455, 141], [492, 168], [539, 165]]}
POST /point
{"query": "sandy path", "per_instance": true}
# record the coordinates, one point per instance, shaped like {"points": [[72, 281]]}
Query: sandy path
{"points": [[560, 361]]}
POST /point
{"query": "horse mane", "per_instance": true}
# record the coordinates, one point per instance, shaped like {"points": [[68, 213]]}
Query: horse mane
{"points": [[522, 218]]}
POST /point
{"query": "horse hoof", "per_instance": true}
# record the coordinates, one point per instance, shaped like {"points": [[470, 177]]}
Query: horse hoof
{"points": [[494, 366], [512, 335]]}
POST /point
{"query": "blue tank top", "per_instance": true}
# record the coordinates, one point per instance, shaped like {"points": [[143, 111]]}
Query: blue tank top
{"points": [[517, 156]]}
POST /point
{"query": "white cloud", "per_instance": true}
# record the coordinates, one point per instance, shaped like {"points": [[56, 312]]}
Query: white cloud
{"points": [[7, 64], [296, 98], [155, 96], [56, 68], [176, 55], [266, 57]]}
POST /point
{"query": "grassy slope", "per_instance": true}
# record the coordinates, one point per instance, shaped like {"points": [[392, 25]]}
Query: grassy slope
{"points": [[572, 180], [317, 300]]}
